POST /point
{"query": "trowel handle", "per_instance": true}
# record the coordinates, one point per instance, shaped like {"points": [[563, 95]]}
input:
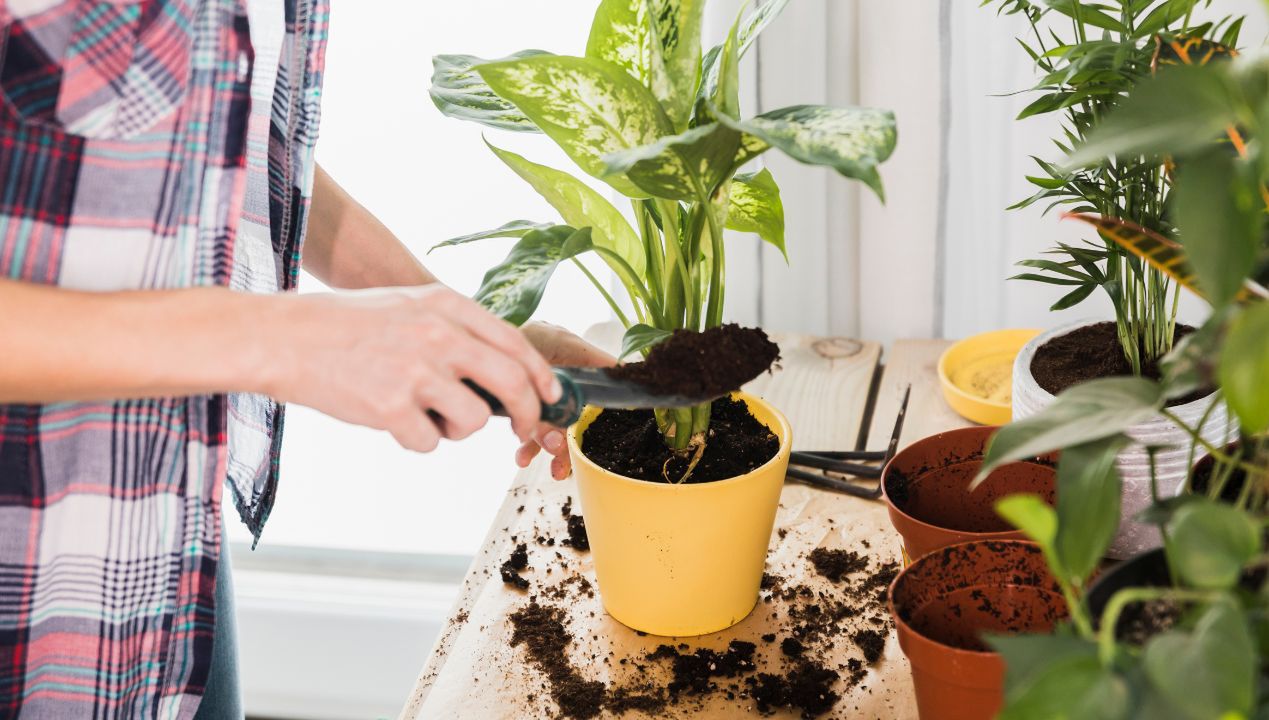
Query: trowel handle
{"points": [[561, 413]]}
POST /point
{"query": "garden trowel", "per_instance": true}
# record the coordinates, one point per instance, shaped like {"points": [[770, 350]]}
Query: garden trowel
{"points": [[593, 386]]}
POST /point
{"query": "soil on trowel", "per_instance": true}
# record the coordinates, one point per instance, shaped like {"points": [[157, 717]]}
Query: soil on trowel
{"points": [[703, 364], [627, 442], [1092, 352]]}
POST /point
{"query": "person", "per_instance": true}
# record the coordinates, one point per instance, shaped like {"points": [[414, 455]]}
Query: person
{"points": [[159, 197]]}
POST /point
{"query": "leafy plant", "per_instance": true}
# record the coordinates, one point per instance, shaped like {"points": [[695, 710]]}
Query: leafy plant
{"points": [[648, 113], [1214, 662], [1107, 49]]}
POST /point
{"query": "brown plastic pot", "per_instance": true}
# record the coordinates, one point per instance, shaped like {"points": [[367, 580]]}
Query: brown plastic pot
{"points": [[945, 602], [926, 491]]}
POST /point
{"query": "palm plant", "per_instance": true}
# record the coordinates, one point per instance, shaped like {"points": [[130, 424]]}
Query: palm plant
{"points": [[645, 112], [1107, 49]]}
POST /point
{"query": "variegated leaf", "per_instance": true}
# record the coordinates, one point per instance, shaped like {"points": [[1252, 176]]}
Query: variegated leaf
{"points": [[640, 337], [1161, 253], [755, 207], [515, 228], [746, 33], [853, 141], [590, 108], [580, 206], [460, 93], [513, 289], [687, 166], [658, 43]]}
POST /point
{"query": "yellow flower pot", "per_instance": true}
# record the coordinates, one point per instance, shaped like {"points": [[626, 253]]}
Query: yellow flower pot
{"points": [[680, 560]]}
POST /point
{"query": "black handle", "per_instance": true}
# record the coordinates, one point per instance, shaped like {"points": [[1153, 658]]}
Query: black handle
{"points": [[561, 413]]}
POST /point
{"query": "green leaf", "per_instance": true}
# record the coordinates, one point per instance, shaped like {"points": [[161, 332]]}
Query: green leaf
{"points": [[1180, 109], [688, 166], [1074, 688], [1244, 368], [1220, 218], [755, 207], [1089, 411], [1087, 13], [1029, 657], [588, 107], [1088, 492], [758, 21], [1210, 672], [853, 141], [1210, 542], [1037, 520], [1073, 298], [515, 228], [513, 288], [580, 206], [658, 42], [459, 92], [640, 337], [721, 63]]}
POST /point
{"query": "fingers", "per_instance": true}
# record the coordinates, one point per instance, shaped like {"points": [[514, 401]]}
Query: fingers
{"points": [[508, 340], [502, 377], [526, 452], [552, 440], [461, 411], [561, 347], [415, 431]]}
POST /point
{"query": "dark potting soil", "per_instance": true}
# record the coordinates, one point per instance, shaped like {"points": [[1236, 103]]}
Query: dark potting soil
{"points": [[703, 364], [834, 564], [510, 569], [1232, 489], [807, 687], [628, 443], [541, 630], [1141, 621], [1089, 353], [871, 643], [577, 537]]}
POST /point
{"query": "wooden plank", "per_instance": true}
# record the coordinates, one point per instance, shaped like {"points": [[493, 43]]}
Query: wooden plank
{"points": [[474, 673], [915, 363]]}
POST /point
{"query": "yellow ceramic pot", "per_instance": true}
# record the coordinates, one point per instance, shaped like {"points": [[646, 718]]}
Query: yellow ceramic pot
{"points": [[680, 560]]}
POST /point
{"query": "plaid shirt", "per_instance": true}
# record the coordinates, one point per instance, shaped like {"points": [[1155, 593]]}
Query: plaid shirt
{"points": [[137, 152]]}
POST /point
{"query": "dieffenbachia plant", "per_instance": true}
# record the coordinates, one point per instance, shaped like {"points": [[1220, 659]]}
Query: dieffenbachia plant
{"points": [[648, 113]]}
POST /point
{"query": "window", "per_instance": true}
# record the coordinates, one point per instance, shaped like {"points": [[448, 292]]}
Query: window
{"points": [[428, 178]]}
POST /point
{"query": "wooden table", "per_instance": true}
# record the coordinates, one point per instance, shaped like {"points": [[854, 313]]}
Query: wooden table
{"points": [[825, 388]]}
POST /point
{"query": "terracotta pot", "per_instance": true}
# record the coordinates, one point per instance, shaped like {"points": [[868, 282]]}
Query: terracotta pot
{"points": [[679, 560], [1171, 464], [944, 603], [925, 491]]}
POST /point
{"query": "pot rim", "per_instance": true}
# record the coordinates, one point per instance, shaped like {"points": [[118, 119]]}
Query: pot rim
{"points": [[1060, 330], [899, 622], [945, 380], [890, 504], [784, 432]]}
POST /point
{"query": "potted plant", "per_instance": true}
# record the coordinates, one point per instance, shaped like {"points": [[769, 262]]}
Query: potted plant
{"points": [[1089, 57], [925, 487], [658, 121], [1177, 632]]}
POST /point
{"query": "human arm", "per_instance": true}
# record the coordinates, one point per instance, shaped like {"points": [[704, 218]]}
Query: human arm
{"points": [[380, 359]]}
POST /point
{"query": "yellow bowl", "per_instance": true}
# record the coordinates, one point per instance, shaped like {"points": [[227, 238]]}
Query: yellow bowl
{"points": [[977, 374]]}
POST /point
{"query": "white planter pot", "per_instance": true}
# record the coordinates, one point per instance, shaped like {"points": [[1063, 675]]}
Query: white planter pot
{"points": [[1171, 465]]}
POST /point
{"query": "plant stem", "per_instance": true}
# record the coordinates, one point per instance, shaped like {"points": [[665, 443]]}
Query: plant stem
{"points": [[1127, 596], [612, 303]]}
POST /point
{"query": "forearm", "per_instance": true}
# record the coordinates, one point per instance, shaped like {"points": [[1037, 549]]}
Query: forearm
{"points": [[63, 345], [347, 247]]}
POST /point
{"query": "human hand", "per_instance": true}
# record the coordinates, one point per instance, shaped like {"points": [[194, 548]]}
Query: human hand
{"points": [[563, 348], [385, 358]]}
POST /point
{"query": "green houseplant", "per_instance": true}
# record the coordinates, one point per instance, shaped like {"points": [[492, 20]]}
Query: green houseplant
{"points": [[645, 112], [648, 113], [1209, 658], [1090, 55]]}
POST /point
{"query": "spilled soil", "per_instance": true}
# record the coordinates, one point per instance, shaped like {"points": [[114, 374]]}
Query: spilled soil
{"points": [[703, 364], [826, 634], [1089, 353], [627, 442]]}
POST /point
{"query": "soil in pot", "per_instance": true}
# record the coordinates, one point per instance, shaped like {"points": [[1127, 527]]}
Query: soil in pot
{"points": [[1201, 478], [1091, 352], [628, 443], [703, 364]]}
